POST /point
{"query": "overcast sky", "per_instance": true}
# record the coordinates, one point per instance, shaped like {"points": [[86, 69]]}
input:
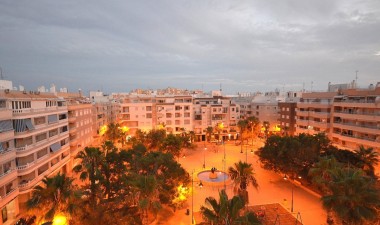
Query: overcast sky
{"points": [[246, 46]]}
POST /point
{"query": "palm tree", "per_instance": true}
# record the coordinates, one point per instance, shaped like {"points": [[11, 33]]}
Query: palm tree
{"points": [[353, 196], [368, 159], [209, 132], [242, 174], [227, 211], [253, 124], [242, 124], [320, 173], [89, 168], [56, 196]]}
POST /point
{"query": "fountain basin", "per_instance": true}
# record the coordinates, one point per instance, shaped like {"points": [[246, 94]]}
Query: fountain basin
{"points": [[218, 177]]}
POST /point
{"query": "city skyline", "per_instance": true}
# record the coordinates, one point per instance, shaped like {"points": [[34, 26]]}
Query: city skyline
{"points": [[245, 46]]}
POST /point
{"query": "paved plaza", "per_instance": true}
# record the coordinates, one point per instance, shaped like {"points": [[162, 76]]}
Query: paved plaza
{"points": [[273, 189]]}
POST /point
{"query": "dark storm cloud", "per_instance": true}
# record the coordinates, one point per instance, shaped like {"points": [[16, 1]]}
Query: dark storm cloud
{"points": [[245, 45]]}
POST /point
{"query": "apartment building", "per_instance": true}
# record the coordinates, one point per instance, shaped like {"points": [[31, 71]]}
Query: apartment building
{"points": [[146, 112], [35, 143], [314, 112], [216, 111], [138, 112], [355, 118], [287, 117], [80, 127], [350, 117]]}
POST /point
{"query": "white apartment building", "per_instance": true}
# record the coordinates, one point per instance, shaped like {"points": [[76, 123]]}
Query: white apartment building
{"points": [[35, 143], [138, 112], [212, 111], [146, 112]]}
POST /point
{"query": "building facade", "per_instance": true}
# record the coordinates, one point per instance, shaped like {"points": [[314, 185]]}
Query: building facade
{"points": [[35, 144]]}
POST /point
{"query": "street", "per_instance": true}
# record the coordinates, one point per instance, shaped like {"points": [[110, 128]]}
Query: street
{"points": [[272, 187]]}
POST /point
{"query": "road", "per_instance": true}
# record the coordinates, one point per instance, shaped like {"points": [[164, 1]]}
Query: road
{"points": [[272, 187]]}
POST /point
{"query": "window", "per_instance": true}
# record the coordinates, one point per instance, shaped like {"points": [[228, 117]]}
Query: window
{"points": [[63, 116], [149, 108], [187, 107], [149, 115], [41, 137], [178, 108]]}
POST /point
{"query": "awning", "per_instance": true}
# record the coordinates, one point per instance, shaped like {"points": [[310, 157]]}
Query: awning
{"points": [[19, 125], [29, 125], [55, 147], [52, 118], [6, 125]]}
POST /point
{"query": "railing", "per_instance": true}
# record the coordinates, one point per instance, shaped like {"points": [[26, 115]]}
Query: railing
{"points": [[50, 139], [28, 165], [9, 193], [357, 113], [47, 109], [26, 183], [6, 151], [6, 173], [357, 125]]}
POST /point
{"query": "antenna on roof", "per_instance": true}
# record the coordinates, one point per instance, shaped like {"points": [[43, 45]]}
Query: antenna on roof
{"points": [[220, 86], [311, 88], [356, 77]]}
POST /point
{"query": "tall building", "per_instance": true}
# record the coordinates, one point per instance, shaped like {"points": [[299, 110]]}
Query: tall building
{"points": [[216, 111], [34, 143]]}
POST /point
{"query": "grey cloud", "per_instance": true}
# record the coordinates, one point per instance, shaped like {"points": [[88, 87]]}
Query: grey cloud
{"points": [[246, 45]]}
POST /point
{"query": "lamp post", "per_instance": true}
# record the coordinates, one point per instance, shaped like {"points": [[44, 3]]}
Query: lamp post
{"points": [[204, 158], [224, 159], [192, 197], [292, 203]]}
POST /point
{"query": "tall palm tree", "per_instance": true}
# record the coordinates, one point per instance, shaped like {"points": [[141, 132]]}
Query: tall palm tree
{"points": [[89, 168], [55, 196], [227, 211], [353, 196], [209, 132], [253, 125], [242, 174], [242, 124], [368, 159]]}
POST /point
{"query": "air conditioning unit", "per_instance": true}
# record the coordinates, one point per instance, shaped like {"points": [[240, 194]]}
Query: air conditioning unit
{"points": [[7, 91], [31, 92], [24, 92]]}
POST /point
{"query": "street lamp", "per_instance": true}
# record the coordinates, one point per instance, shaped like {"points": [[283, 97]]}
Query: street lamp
{"points": [[204, 158], [192, 197], [292, 204]]}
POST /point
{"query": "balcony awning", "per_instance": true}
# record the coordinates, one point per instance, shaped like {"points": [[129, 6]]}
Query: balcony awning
{"points": [[19, 125], [55, 147], [52, 118], [29, 125], [6, 125]]}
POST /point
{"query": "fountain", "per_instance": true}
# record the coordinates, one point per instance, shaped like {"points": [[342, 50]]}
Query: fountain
{"points": [[213, 176]]}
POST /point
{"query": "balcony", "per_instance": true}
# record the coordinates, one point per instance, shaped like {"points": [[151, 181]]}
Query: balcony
{"points": [[7, 155], [361, 104], [24, 169], [8, 176], [17, 112], [357, 139], [358, 128], [8, 197], [72, 119], [24, 185], [317, 105], [357, 116]]}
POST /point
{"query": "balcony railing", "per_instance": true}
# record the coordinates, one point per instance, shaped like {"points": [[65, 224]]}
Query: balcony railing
{"points": [[6, 173], [358, 113], [47, 109], [27, 183]]}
